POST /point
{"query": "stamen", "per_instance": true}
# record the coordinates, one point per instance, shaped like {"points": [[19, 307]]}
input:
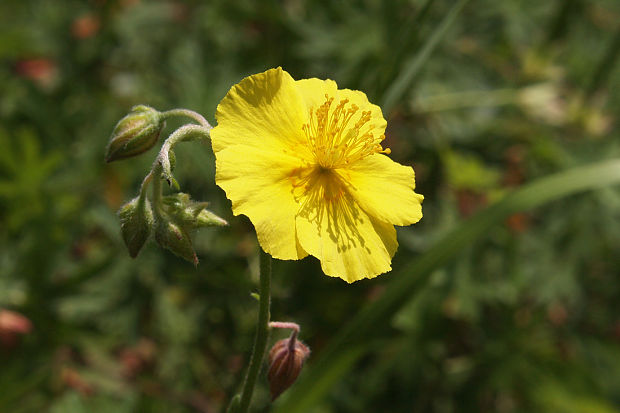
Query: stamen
{"points": [[335, 142]]}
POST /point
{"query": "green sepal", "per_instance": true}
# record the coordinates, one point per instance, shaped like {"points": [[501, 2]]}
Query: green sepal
{"points": [[136, 218], [191, 214]]}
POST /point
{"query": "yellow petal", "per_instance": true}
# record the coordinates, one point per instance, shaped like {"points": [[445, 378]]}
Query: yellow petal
{"points": [[262, 111], [258, 182], [384, 189], [350, 244], [360, 99], [313, 91]]}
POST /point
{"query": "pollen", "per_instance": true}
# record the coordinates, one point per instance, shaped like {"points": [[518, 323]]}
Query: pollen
{"points": [[341, 134]]}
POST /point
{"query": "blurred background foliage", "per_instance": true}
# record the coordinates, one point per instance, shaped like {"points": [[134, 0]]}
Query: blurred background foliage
{"points": [[481, 96]]}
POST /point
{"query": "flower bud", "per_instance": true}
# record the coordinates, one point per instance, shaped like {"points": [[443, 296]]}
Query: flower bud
{"points": [[136, 133], [286, 358], [136, 221], [175, 238]]}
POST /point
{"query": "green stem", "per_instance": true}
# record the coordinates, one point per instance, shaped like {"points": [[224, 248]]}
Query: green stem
{"points": [[162, 162], [262, 332], [156, 172], [185, 133], [145, 183], [188, 114]]}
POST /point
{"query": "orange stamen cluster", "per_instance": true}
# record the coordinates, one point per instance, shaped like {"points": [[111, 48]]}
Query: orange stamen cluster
{"points": [[334, 141]]}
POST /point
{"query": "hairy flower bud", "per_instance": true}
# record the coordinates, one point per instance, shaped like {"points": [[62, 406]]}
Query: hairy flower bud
{"points": [[136, 133], [136, 221], [175, 238], [286, 358]]}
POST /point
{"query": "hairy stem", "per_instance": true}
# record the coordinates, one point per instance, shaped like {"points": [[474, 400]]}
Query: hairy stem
{"points": [[157, 190], [145, 183], [285, 324], [262, 332], [188, 114]]}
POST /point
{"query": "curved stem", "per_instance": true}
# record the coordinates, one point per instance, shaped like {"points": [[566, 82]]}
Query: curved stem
{"points": [[188, 114], [285, 324], [184, 133], [262, 332], [145, 182]]}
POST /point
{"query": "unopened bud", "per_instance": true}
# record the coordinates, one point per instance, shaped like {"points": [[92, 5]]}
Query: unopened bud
{"points": [[136, 133], [286, 358], [175, 238], [136, 221]]}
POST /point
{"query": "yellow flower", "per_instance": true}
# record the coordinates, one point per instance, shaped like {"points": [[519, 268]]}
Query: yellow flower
{"points": [[303, 160]]}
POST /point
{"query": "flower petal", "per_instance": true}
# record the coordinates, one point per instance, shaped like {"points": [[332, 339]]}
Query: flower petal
{"points": [[313, 91], [360, 99], [258, 182], [384, 189], [350, 244], [262, 111]]}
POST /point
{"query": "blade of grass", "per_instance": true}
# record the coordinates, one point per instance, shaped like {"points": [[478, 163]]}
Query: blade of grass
{"points": [[413, 65], [410, 39], [606, 65], [320, 375], [566, 9]]}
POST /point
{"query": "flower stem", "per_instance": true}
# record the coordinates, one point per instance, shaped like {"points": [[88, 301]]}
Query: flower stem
{"points": [[156, 172], [262, 332], [284, 324], [188, 114], [185, 133], [162, 161], [145, 183]]}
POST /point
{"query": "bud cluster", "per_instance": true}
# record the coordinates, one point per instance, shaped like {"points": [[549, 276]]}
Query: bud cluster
{"points": [[174, 217], [174, 221]]}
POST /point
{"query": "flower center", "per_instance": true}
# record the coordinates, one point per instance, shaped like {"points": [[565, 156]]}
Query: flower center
{"points": [[335, 140]]}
